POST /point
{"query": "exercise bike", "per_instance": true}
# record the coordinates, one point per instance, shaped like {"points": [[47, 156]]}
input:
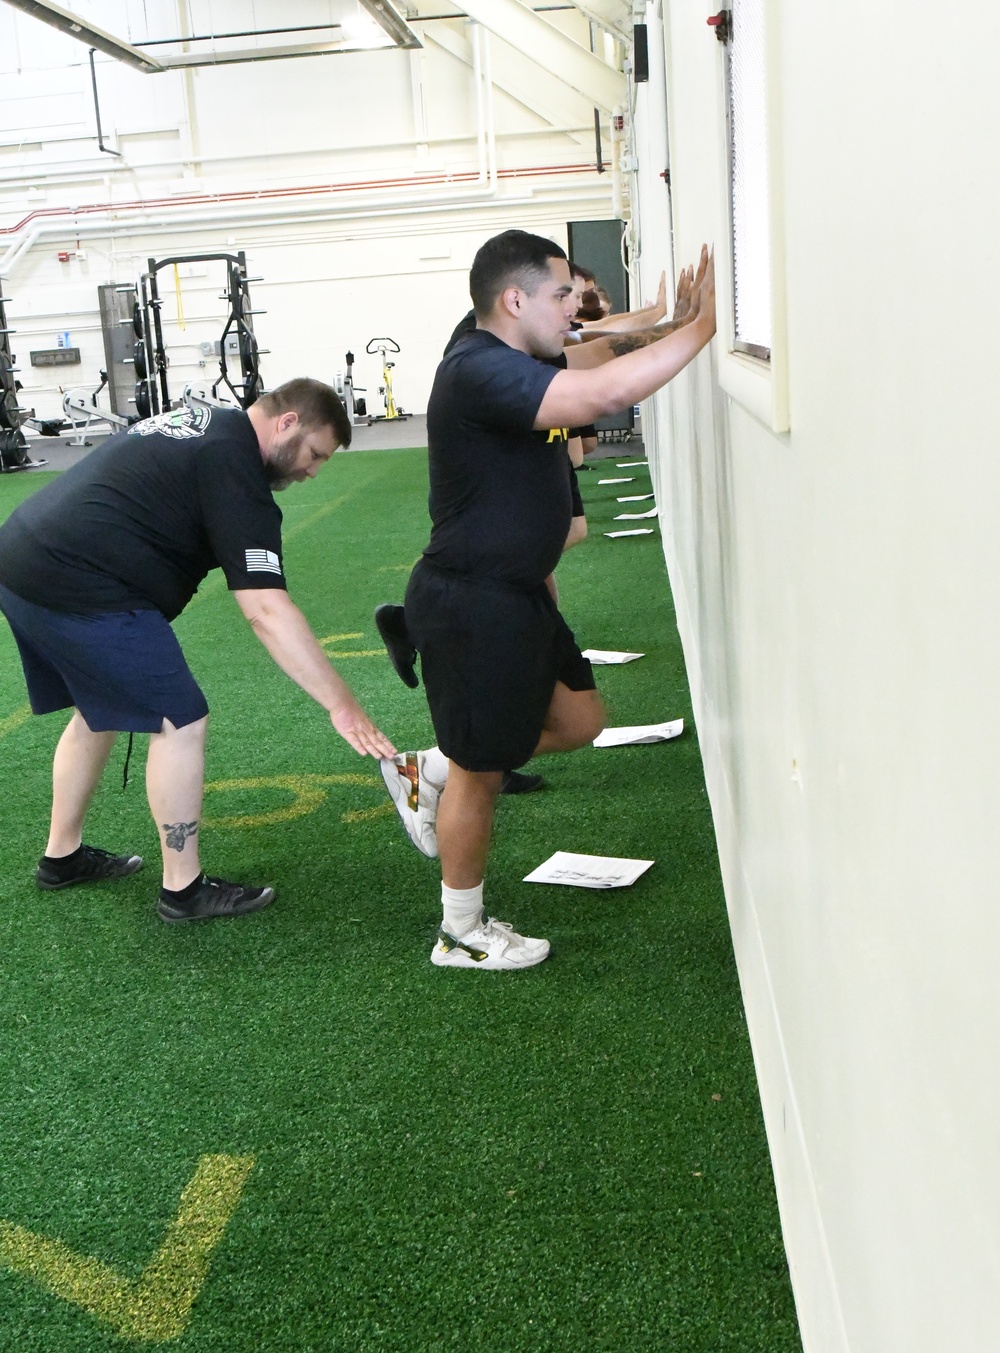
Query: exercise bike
{"points": [[385, 346]]}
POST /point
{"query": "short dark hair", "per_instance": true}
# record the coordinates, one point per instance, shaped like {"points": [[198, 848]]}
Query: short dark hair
{"points": [[318, 406], [578, 270], [514, 258]]}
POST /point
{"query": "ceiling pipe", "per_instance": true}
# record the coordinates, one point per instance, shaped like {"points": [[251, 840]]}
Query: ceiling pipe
{"points": [[185, 224], [66, 221]]}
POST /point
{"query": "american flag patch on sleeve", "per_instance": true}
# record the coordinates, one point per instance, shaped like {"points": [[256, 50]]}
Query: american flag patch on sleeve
{"points": [[263, 561]]}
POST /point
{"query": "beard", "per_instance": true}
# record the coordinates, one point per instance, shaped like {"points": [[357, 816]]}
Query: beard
{"points": [[279, 464]]}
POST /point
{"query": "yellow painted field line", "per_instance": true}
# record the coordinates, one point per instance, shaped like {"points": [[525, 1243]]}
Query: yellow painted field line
{"points": [[156, 1306], [14, 721], [308, 791], [334, 505], [398, 568], [366, 814]]}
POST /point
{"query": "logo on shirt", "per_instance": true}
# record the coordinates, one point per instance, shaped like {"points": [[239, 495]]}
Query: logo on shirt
{"points": [[263, 561], [180, 423]]}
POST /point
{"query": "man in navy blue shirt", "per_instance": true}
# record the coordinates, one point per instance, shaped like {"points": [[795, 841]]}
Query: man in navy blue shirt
{"points": [[504, 676]]}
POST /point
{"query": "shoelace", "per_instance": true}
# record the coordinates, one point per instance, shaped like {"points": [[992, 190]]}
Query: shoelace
{"points": [[492, 929]]}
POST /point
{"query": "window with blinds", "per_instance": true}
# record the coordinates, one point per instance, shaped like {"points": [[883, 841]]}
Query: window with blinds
{"points": [[748, 179]]}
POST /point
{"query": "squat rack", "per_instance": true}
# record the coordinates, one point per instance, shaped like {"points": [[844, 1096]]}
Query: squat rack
{"points": [[152, 393], [13, 444]]}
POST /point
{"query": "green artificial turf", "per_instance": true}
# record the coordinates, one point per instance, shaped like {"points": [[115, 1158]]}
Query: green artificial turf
{"points": [[569, 1158]]}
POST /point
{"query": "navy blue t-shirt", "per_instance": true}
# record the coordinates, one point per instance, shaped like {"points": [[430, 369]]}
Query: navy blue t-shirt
{"points": [[139, 522], [499, 493]]}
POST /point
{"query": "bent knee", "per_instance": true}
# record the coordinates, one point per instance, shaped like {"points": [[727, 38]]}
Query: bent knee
{"points": [[577, 532], [590, 718], [596, 725]]}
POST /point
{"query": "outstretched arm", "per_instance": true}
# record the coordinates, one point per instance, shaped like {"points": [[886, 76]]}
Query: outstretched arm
{"points": [[604, 345], [584, 392], [283, 630], [632, 319]]}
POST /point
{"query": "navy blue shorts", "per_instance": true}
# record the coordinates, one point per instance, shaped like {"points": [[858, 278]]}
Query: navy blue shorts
{"points": [[123, 670]]}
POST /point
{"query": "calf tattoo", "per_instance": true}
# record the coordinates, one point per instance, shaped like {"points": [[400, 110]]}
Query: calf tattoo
{"points": [[178, 833]]}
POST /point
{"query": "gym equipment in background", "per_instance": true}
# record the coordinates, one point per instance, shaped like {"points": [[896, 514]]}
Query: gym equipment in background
{"points": [[343, 383], [84, 416], [117, 307], [13, 443], [152, 394], [385, 346]]}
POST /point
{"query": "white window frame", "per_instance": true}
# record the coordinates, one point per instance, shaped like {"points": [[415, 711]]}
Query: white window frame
{"points": [[759, 384]]}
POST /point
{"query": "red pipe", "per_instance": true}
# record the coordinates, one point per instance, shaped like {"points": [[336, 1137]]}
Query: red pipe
{"points": [[265, 194]]}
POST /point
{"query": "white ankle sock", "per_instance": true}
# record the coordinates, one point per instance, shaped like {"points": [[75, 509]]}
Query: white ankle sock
{"points": [[435, 767], [463, 909]]}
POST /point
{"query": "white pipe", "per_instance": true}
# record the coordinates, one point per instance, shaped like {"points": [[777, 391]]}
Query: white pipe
{"points": [[419, 106], [233, 217], [69, 171], [617, 193], [491, 131], [477, 84]]}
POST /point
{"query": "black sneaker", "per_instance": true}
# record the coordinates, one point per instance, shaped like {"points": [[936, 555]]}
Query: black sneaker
{"points": [[514, 782], [87, 865], [215, 897], [391, 624]]}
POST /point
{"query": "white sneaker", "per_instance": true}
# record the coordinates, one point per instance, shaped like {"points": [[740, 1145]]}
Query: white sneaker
{"points": [[415, 798], [492, 945]]}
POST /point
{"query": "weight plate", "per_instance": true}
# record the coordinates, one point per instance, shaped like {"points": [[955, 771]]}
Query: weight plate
{"points": [[142, 406], [139, 357], [137, 320], [13, 446]]}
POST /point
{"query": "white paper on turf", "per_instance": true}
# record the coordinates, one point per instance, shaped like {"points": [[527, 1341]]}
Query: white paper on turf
{"points": [[624, 480], [636, 498], [588, 871], [636, 516], [630, 464], [640, 531], [640, 734], [605, 657]]}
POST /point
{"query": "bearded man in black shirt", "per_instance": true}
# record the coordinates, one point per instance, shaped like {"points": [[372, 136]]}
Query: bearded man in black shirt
{"points": [[504, 676], [95, 565]]}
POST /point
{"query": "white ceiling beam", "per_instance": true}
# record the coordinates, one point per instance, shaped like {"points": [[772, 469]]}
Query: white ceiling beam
{"points": [[558, 55], [614, 16], [84, 31], [556, 103]]}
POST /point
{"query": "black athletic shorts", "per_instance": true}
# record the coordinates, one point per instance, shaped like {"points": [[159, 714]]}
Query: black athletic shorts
{"points": [[490, 656], [574, 491], [123, 670], [588, 431]]}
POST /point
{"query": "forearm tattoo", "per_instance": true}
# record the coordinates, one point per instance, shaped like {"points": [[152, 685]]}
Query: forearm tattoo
{"points": [[620, 344], [178, 833], [629, 343]]}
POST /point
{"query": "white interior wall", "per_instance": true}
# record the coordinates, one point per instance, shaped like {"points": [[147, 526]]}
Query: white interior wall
{"points": [[836, 589], [360, 216]]}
